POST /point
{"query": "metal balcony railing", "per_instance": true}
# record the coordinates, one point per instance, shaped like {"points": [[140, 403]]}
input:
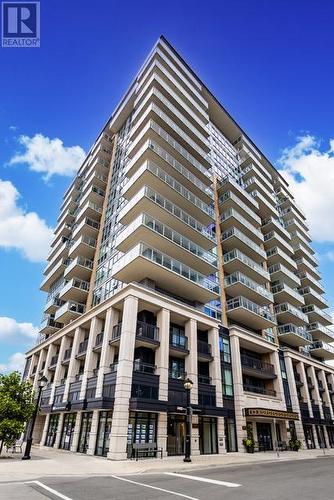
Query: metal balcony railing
{"points": [[257, 364], [140, 366], [259, 390]]}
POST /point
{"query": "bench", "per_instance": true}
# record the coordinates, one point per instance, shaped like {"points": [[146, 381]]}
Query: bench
{"points": [[16, 446], [142, 450]]}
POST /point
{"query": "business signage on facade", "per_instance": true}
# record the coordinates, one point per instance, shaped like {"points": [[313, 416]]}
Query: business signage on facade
{"points": [[264, 412]]}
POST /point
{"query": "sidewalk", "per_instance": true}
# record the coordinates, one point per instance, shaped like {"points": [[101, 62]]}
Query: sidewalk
{"points": [[50, 462]]}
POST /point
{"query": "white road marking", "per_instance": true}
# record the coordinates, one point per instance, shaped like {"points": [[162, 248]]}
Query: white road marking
{"points": [[204, 480], [155, 488], [50, 490]]}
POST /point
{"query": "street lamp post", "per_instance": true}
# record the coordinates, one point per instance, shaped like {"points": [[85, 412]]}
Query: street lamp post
{"points": [[188, 384], [42, 383]]}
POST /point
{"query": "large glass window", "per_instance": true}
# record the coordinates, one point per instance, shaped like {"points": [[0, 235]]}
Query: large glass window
{"points": [[208, 435], [103, 433], [224, 344], [230, 435], [142, 428], [52, 430], [86, 424], [227, 382], [67, 431]]}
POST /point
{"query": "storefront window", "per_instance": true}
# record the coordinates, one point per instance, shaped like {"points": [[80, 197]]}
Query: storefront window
{"points": [[142, 428], [67, 432], [86, 424], [103, 434], [52, 430]]}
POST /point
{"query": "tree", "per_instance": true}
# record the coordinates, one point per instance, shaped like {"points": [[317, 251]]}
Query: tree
{"points": [[16, 407]]}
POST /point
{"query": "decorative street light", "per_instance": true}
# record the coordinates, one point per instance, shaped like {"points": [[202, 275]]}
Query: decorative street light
{"points": [[188, 385], [42, 383]]}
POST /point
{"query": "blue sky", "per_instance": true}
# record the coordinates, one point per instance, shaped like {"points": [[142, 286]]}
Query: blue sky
{"points": [[270, 64]]}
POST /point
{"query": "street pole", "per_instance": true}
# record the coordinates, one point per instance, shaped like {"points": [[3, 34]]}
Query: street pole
{"points": [[187, 455], [43, 381]]}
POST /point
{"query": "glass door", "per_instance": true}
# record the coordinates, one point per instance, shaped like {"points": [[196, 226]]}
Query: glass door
{"points": [[67, 432], [52, 430], [230, 435], [207, 435], [103, 434], [176, 428], [86, 424], [309, 437], [264, 436]]}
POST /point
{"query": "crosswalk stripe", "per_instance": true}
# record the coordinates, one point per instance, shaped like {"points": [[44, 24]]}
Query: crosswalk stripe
{"points": [[204, 480]]}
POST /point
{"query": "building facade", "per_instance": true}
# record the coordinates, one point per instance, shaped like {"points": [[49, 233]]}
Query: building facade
{"points": [[180, 252]]}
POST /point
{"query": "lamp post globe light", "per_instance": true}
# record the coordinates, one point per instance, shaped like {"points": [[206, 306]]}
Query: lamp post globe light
{"points": [[41, 384], [188, 385]]}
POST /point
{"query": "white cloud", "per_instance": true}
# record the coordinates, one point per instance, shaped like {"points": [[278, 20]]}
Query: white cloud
{"points": [[48, 156], [24, 231], [16, 362], [310, 172], [11, 331], [13, 128]]}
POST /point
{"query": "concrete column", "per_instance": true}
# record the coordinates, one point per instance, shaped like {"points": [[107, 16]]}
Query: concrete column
{"points": [[93, 433], [315, 435], [277, 383], [318, 399], [41, 358], [238, 391], [221, 435], [45, 430], [331, 381], [191, 360], [95, 328], [294, 398], [162, 433], [118, 436], [59, 369], [215, 366], [73, 364], [162, 353], [34, 359], [305, 390], [107, 351], [327, 395], [195, 436], [48, 357], [59, 429], [76, 432]]}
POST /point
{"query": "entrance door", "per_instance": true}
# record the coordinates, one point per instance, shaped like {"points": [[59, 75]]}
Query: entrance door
{"points": [[321, 436], [176, 436], [86, 423], [52, 430], [208, 435], [103, 434], [67, 432], [264, 436], [309, 437]]}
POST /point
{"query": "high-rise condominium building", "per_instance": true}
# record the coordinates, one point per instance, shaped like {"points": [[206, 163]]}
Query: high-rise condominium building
{"points": [[179, 251]]}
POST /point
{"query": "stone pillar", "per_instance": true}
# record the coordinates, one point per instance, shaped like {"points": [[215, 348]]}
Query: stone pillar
{"points": [[107, 351], [162, 353], [58, 372], [162, 433], [277, 383], [93, 433], [195, 436], [327, 395], [34, 359], [221, 435], [45, 430], [294, 397], [118, 436], [76, 432], [59, 429], [73, 364], [215, 366], [95, 328], [39, 367], [305, 390], [238, 391], [318, 399], [191, 359], [331, 381]]}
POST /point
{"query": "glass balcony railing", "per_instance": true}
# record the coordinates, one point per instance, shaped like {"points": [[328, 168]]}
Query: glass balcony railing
{"points": [[236, 254], [229, 195], [279, 267], [250, 306], [282, 287], [322, 345], [286, 307], [238, 277], [306, 275], [315, 326], [178, 341], [233, 231], [141, 367], [309, 291], [233, 213], [297, 330], [312, 308], [229, 180]]}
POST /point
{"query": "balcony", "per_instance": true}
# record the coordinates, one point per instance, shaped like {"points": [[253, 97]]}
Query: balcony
{"points": [[88, 210], [75, 289], [315, 314], [253, 170], [287, 313], [308, 280], [149, 201], [52, 305], [312, 297], [257, 368], [248, 313], [53, 274], [141, 367], [49, 326], [87, 227], [235, 261], [283, 293], [273, 239], [233, 238], [67, 356], [94, 194], [322, 350], [204, 351], [266, 206], [80, 268], [294, 335], [164, 238], [271, 224], [84, 247], [82, 349], [232, 217], [304, 266], [229, 200], [293, 224], [230, 184], [145, 334], [98, 341], [301, 251], [278, 272], [178, 345], [290, 213], [53, 362], [177, 374], [252, 184], [70, 311], [320, 332], [239, 284], [259, 390], [171, 275], [154, 177], [276, 255], [204, 379]]}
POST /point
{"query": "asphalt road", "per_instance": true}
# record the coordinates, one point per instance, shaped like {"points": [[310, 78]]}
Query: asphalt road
{"points": [[301, 479]]}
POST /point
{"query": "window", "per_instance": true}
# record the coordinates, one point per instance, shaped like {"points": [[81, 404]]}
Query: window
{"points": [[227, 382], [225, 349]]}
